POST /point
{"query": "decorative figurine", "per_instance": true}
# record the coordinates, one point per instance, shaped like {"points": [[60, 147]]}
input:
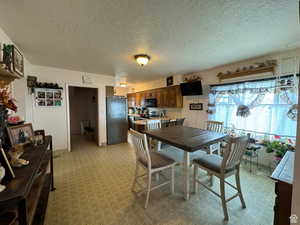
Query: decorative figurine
{"points": [[2, 175], [15, 153]]}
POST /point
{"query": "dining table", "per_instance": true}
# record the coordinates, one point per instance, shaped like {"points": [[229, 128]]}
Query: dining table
{"points": [[189, 140]]}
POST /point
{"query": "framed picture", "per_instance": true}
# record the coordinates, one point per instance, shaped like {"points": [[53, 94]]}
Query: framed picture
{"points": [[41, 94], [41, 102], [49, 102], [18, 61], [49, 94], [196, 106], [9, 173], [57, 94], [170, 81], [57, 102], [20, 134]]}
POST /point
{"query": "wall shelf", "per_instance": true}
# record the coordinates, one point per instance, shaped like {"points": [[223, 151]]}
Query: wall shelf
{"points": [[6, 76], [250, 71]]}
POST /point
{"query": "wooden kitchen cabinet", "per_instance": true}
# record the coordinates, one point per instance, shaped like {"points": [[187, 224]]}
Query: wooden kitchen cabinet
{"points": [[167, 97], [131, 99]]}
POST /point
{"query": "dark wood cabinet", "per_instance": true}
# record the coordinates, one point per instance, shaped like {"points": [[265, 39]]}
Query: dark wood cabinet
{"points": [[167, 97], [26, 196], [283, 175], [131, 99]]}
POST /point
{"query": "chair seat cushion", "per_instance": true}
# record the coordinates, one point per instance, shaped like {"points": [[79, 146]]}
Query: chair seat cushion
{"points": [[158, 160], [178, 154], [212, 162]]}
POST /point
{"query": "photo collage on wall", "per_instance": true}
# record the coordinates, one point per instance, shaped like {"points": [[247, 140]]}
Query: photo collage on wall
{"points": [[48, 97]]}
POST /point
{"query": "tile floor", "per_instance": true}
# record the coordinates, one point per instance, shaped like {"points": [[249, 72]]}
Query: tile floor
{"points": [[94, 188]]}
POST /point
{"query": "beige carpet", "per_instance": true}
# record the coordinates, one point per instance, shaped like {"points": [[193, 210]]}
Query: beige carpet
{"points": [[94, 188]]}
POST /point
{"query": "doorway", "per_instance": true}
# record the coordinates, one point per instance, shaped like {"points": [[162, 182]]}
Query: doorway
{"points": [[83, 114]]}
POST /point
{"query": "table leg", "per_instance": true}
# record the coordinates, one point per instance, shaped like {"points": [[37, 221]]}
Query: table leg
{"points": [[186, 172], [51, 167], [22, 212]]}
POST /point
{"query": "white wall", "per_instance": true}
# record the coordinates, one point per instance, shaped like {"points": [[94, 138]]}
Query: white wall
{"points": [[54, 120], [197, 118]]}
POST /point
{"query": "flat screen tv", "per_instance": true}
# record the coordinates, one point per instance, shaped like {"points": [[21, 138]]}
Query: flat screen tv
{"points": [[191, 88]]}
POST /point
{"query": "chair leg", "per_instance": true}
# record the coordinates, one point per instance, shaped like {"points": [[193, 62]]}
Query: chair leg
{"points": [[135, 176], [148, 189], [195, 183], [172, 179], [223, 198], [211, 180], [238, 185], [157, 177]]}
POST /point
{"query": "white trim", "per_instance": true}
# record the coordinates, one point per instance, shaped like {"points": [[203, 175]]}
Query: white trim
{"points": [[68, 112]]}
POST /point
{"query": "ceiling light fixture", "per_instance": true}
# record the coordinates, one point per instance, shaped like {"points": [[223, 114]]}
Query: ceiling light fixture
{"points": [[142, 59], [123, 84]]}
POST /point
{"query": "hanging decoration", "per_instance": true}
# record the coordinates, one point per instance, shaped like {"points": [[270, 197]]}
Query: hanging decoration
{"points": [[293, 112], [243, 109]]}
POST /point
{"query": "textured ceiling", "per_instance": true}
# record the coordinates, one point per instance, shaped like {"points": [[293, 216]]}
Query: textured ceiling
{"points": [[101, 36]]}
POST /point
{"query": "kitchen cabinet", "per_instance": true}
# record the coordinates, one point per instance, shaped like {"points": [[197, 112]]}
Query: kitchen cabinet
{"points": [[167, 97], [131, 99]]}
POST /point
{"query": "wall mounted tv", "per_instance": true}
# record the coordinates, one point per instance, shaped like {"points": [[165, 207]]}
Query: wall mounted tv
{"points": [[191, 88]]}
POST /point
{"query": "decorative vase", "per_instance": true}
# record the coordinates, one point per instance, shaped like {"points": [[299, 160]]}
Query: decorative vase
{"points": [[2, 174]]}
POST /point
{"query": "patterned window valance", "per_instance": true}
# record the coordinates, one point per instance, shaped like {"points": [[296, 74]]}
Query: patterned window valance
{"points": [[247, 95]]}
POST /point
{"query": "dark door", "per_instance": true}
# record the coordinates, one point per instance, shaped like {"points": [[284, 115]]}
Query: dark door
{"points": [[116, 120]]}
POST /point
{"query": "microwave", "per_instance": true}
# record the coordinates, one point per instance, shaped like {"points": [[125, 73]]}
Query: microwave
{"points": [[150, 102]]}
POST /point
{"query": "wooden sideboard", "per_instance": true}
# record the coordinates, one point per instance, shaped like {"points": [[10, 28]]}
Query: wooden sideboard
{"points": [[167, 97], [24, 201], [283, 175]]}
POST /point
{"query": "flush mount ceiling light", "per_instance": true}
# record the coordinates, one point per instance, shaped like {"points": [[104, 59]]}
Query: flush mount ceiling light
{"points": [[142, 59], [123, 84]]}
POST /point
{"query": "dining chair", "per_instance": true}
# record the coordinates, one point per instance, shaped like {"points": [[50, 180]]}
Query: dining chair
{"points": [[179, 122], [172, 123], [215, 126], [153, 124], [164, 123], [153, 162], [86, 128], [223, 167]]}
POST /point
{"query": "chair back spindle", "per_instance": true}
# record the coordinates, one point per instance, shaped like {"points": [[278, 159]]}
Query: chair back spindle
{"points": [[214, 126], [140, 144], [153, 124], [234, 153]]}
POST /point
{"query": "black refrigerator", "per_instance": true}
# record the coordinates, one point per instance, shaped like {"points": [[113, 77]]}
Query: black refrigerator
{"points": [[116, 119]]}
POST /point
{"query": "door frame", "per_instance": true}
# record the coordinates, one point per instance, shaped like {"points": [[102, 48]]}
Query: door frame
{"points": [[68, 113]]}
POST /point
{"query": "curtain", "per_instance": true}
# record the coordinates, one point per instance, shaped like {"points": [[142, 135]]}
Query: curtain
{"points": [[262, 106]]}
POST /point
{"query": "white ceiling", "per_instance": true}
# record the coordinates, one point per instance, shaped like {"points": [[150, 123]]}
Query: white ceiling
{"points": [[101, 36]]}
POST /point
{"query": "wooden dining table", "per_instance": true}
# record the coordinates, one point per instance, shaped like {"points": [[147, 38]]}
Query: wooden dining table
{"points": [[187, 139]]}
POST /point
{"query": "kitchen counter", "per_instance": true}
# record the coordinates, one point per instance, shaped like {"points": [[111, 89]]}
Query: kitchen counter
{"points": [[144, 120]]}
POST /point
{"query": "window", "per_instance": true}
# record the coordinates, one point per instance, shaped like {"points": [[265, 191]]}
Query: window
{"points": [[269, 102]]}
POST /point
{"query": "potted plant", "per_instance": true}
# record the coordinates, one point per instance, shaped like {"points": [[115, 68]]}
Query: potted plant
{"points": [[279, 148]]}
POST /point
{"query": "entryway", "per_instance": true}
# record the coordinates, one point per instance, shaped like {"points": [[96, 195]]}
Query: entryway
{"points": [[83, 114]]}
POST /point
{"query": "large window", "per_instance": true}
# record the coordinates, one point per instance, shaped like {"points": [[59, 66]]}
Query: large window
{"points": [[267, 106]]}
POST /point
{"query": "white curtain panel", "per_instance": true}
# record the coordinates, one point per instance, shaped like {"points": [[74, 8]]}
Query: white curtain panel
{"points": [[268, 109]]}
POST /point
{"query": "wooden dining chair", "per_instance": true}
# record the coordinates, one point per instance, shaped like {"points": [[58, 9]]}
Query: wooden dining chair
{"points": [[179, 122], [223, 167], [153, 124], [215, 126], [172, 123], [153, 162]]}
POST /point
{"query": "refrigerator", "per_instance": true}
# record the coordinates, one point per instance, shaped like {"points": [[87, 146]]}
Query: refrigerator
{"points": [[116, 119]]}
